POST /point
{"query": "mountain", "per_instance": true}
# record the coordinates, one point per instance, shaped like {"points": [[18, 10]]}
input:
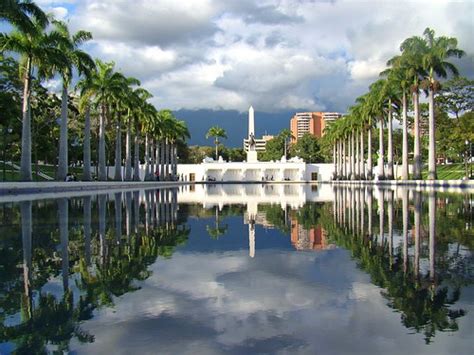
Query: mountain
{"points": [[234, 122]]}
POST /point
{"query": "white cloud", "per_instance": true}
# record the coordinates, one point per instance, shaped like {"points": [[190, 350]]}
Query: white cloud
{"points": [[366, 69], [275, 54]]}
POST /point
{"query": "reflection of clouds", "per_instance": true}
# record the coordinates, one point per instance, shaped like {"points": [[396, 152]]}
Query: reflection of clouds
{"points": [[279, 302]]}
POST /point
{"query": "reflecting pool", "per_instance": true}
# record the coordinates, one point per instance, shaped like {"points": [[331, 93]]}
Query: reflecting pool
{"points": [[238, 269]]}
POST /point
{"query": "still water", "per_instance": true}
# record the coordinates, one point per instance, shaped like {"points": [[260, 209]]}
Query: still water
{"points": [[239, 269]]}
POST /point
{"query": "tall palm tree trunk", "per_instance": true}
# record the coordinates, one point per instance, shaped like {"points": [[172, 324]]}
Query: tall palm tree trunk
{"points": [[118, 152], [152, 157], [405, 138], [167, 159], [157, 156], [349, 159], [357, 155], [87, 145], [344, 160], [102, 170], [390, 143], [216, 142], [341, 162], [128, 152], [63, 138], [162, 160], [353, 172], [363, 174], [25, 169], [432, 138], [147, 157], [369, 153], [381, 151], [416, 148], [136, 159]]}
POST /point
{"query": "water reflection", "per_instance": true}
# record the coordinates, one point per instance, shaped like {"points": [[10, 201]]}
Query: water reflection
{"points": [[425, 298], [79, 256], [92, 257]]}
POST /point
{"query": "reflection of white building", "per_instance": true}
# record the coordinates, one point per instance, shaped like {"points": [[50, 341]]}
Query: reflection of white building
{"points": [[293, 195], [251, 195]]}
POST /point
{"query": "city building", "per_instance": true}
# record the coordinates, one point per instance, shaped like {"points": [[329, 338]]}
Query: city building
{"points": [[311, 122], [260, 143]]}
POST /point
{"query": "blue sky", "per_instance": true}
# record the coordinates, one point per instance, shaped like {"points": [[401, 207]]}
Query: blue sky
{"points": [[278, 55]]}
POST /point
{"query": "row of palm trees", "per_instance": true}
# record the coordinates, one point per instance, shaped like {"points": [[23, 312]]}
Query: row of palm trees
{"points": [[423, 60], [47, 48]]}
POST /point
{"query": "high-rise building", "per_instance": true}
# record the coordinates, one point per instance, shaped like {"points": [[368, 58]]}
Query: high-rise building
{"points": [[311, 122]]}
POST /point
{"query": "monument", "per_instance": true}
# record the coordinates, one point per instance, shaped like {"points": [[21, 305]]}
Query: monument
{"points": [[252, 151]]}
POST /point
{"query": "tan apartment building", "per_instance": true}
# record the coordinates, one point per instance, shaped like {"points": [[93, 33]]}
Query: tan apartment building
{"points": [[311, 122]]}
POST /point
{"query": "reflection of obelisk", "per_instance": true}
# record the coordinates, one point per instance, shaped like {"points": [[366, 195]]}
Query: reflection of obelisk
{"points": [[252, 152], [252, 238], [252, 209]]}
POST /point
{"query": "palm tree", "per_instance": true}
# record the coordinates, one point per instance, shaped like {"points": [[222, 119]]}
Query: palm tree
{"points": [[23, 14], [133, 103], [377, 102], [399, 76], [180, 133], [74, 57], [84, 106], [216, 132], [412, 49], [120, 97], [103, 85], [149, 127], [434, 60], [37, 49]]}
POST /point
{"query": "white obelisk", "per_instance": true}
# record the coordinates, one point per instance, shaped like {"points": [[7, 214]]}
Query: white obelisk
{"points": [[251, 122], [252, 152]]}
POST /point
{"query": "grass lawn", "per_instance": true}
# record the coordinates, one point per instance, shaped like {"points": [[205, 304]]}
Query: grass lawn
{"points": [[50, 170], [448, 172]]}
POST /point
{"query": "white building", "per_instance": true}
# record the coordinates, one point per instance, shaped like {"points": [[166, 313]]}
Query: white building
{"points": [[292, 170]]}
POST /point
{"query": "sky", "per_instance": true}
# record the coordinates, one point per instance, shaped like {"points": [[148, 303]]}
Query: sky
{"points": [[280, 56]]}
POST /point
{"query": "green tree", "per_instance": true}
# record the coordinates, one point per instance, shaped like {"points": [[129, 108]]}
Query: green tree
{"points": [[275, 147], [37, 49], [308, 148], [456, 96], [216, 132]]}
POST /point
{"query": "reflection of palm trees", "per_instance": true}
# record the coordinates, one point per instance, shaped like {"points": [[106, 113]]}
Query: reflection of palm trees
{"points": [[118, 216], [390, 224], [424, 307], [417, 219], [63, 210], [405, 228], [26, 229], [217, 230], [87, 229], [432, 231]]}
